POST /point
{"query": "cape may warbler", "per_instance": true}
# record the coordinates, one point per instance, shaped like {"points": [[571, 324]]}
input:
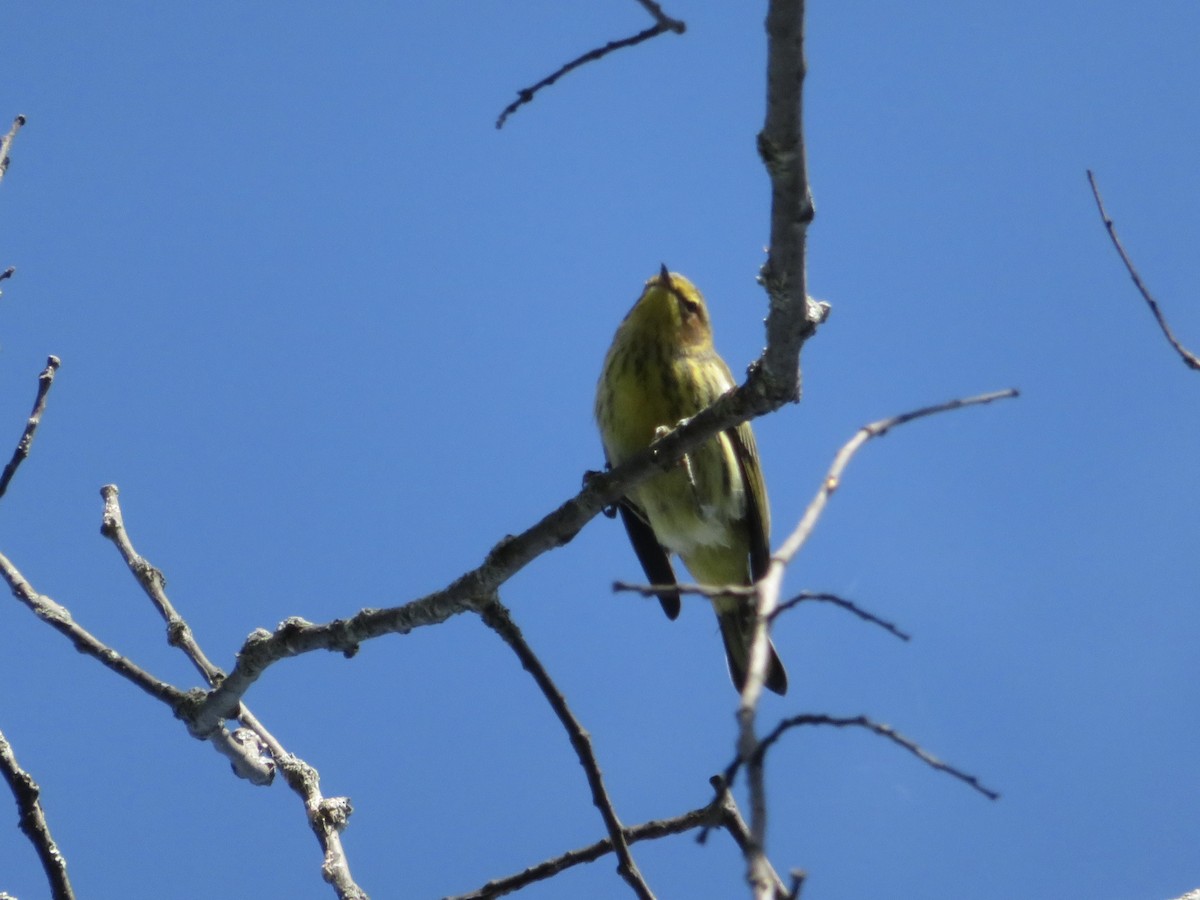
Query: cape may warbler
{"points": [[711, 507]]}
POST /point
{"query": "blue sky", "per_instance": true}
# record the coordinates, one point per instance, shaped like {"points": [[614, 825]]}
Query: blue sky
{"points": [[333, 336]]}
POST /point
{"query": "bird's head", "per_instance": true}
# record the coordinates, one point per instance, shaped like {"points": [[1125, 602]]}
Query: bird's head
{"points": [[672, 310]]}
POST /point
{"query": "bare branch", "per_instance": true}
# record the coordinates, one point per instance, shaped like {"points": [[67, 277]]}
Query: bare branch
{"points": [[59, 618], [1190, 359], [296, 635], [683, 588], [183, 704], [792, 318], [253, 751], [6, 144], [497, 617], [662, 23], [179, 633], [749, 748], [759, 753], [658, 828], [45, 382], [662, 18], [885, 731], [32, 821], [841, 603], [833, 479], [739, 590], [327, 816], [249, 759], [732, 821], [720, 812]]}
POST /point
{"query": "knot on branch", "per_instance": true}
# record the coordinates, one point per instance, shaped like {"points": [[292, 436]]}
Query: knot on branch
{"points": [[335, 812], [768, 388], [187, 708], [497, 556], [177, 632], [780, 157]]}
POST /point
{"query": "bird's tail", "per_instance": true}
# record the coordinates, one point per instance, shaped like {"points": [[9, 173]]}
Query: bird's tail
{"points": [[736, 630]]}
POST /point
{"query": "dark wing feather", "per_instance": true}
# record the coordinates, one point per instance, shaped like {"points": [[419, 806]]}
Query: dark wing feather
{"points": [[650, 553], [758, 513]]}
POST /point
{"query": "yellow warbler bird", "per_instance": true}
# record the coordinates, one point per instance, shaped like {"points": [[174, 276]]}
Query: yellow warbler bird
{"points": [[711, 508]]}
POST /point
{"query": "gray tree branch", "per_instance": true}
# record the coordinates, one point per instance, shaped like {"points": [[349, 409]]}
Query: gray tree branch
{"points": [[32, 821], [496, 616], [750, 749], [252, 750], [21, 453], [1189, 358]]}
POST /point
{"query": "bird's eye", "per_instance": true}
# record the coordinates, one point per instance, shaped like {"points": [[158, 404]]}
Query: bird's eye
{"points": [[690, 306]]}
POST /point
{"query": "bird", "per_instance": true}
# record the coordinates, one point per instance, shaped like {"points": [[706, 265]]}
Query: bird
{"points": [[710, 509]]}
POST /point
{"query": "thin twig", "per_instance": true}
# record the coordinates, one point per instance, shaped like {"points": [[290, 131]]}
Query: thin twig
{"points": [[21, 453], [496, 617], [732, 822], [662, 18], [662, 23], [683, 588], [709, 814], [179, 633], [769, 588], [59, 618], [738, 590], [720, 812], [1189, 358], [833, 479], [841, 603], [885, 731], [6, 143], [32, 821]]}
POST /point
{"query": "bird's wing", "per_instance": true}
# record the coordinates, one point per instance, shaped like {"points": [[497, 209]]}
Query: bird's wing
{"points": [[651, 554], [758, 513]]}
